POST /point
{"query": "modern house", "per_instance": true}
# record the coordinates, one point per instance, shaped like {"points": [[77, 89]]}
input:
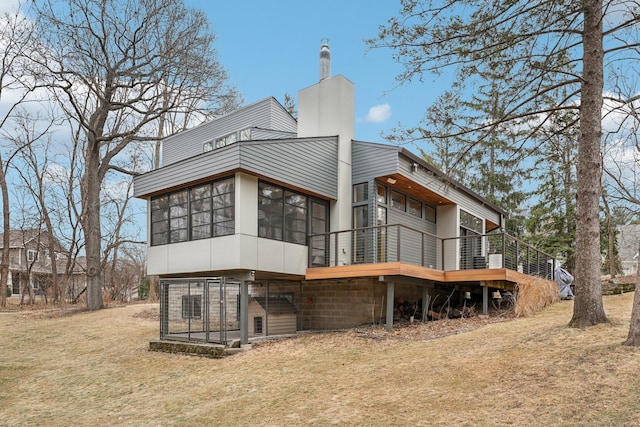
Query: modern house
{"points": [[31, 264], [257, 207]]}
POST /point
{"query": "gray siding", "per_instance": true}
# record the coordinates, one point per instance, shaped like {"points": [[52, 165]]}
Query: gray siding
{"points": [[306, 163], [372, 161], [310, 164], [377, 160], [412, 244], [259, 133], [266, 114], [453, 192]]}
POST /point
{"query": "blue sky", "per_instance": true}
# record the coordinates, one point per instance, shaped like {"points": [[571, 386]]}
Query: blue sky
{"points": [[271, 48]]}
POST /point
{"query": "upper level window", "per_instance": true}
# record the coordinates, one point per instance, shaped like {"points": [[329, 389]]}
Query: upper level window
{"points": [[199, 212], [470, 222], [226, 140], [429, 213], [32, 255], [207, 146], [414, 207], [178, 216], [398, 201], [245, 134], [284, 214], [381, 191], [361, 192]]}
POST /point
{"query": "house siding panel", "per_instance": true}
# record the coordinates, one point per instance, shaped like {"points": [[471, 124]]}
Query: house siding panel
{"points": [[308, 164], [191, 170], [412, 244], [372, 160], [265, 114], [453, 193], [262, 134]]}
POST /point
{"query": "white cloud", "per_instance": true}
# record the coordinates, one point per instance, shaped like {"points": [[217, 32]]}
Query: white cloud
{"points": [[378, 113], [9, 6]]}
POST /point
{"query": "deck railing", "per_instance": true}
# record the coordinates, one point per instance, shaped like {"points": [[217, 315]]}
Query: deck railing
{"points": [[400, 243]]}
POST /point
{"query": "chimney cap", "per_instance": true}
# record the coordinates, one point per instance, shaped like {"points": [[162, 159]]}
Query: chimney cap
{"points": [[325, 59]]}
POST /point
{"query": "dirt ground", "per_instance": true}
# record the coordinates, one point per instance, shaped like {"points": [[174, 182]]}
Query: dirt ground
{"points": [[72, 367]]}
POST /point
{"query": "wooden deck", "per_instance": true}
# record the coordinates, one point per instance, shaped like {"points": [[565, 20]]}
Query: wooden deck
{"points": [[494, 277]]}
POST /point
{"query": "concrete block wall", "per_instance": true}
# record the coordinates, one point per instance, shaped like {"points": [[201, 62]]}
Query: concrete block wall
{"points": [[342, 304]]}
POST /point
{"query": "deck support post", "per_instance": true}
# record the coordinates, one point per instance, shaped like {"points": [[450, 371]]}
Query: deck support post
{"points": [[390, 299], [244, 312], [485, 299], [425, 302]]}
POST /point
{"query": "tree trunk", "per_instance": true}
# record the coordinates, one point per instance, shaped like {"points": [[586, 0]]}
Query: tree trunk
{"points": [[91, 225], [634, 328], [6, 241], [588, 309]]}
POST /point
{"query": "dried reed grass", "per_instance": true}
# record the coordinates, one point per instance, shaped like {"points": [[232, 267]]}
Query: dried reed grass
{"points": [[534, 294]]}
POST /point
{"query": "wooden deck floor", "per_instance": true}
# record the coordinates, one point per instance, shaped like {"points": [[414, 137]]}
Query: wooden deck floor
{"points": [[499, 277]]}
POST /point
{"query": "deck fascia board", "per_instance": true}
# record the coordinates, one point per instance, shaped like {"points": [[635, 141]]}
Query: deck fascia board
{"points": [[414, 271]]}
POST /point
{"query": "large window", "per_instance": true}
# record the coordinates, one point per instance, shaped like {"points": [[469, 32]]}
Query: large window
{"points": [[284, 214], [194, 213], [178, 216]]}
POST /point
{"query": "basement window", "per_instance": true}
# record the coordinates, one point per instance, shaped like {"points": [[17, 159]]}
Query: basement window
{"points": [[191, 306]]}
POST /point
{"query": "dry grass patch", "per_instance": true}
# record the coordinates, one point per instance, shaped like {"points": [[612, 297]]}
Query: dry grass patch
{"points": [[94, 369], [534, 293]]}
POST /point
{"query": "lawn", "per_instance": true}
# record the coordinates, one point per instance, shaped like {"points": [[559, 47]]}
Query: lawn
{"points": [[94, 369]]}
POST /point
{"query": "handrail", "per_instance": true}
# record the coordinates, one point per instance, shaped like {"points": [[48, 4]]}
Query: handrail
{"points": [[365, 245]]}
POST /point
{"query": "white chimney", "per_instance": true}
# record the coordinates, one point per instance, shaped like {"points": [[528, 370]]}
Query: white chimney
{"points": [[325, 60], [327, 108]]}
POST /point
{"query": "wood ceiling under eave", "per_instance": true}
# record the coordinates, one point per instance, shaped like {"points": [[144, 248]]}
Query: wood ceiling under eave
{"points": [[415, 190], [419, 192]]}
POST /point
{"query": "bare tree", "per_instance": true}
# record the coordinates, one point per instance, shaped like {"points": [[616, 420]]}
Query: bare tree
{"points": [[116, 67], [34, 162], [16, 39], [542, 49]]}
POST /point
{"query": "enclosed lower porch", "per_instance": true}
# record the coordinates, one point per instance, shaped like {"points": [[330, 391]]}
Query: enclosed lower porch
{"points": [[232, 313]]}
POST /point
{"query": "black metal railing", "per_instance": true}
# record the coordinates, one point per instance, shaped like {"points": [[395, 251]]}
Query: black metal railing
{"points": [[499, 250], [399, 243]]}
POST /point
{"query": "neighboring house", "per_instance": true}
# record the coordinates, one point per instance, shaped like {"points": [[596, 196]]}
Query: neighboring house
{"points": [[257, 205], [628, 247], [30, 263]]}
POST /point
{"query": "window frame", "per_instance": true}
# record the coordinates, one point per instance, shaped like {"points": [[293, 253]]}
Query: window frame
{"points": [[400, 206], [168, 221], [32, 255], [413, 211], [279, 218], [188, 310]]}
